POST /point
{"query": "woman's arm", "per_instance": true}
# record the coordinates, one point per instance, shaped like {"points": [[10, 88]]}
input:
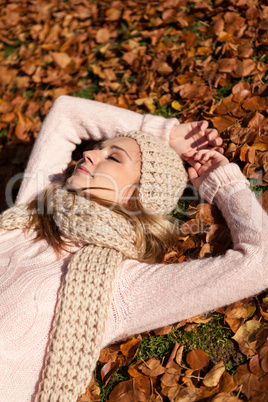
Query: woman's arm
{"points": [[158, 295], [71, 120]]}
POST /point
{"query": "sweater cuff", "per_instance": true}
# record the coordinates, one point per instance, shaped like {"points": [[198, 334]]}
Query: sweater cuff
{"points": [[158, 126], [215, 187]]}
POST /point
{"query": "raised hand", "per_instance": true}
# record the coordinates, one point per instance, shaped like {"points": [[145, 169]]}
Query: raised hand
{"points": [[186, 137], [202, 163]]}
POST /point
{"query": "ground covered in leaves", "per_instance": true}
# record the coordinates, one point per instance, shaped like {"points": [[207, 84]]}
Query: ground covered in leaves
{"points": [[189, 59]]}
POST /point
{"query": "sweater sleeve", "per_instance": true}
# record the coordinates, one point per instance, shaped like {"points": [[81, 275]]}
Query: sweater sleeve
{"points": [[71, 120], [152, 296]]}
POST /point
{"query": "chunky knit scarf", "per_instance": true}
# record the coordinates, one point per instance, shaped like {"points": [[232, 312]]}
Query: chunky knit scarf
{"points": [[85, 296]]}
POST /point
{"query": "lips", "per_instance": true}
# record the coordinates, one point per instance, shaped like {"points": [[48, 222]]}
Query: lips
{"points": [[84, 170]]}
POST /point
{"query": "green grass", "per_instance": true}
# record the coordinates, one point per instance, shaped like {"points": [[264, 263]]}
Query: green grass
{"points": [[166, 111], [88, 93], [116, 378], [10, 49], [28, 93], [213, 337], [257, 190], [3, 133]]}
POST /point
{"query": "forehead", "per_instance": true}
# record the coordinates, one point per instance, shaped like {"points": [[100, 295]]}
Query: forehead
{"points": [[129, 144]]}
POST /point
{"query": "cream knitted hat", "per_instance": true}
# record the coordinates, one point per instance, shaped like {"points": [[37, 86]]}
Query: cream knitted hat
{"points": [[163, 176]]}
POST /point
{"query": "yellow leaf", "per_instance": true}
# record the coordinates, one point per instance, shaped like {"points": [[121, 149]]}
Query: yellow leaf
{"points": [[176, 105], [244, 337], [212, 378], [202, 51], [261, 143]]}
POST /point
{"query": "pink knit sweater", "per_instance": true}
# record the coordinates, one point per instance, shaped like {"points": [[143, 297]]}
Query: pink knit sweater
{"points": [[145, 296]]}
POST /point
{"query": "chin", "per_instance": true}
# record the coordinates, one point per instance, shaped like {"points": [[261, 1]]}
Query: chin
{"points": [[74, 183]]}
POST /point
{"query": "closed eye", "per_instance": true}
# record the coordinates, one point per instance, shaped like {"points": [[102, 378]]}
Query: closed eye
{"points": [[113, 158]]}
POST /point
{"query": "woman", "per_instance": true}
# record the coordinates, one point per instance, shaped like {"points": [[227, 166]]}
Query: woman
{"points": [[32, 271]]}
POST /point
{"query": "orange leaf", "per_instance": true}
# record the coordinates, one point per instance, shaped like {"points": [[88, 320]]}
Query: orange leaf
{"points": [[197, 359], [241, 91], [61, 59], [102, 35], [223, 122], [24, 127], [245, 67], [261, 143], [255, 103], [226, 65], [208, 213], [164, 69], [130, 348], [113, 14], [227, 383]]}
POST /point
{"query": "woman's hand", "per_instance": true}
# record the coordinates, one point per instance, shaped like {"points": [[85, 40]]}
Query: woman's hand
{"points": [[186, 137], [202, 163]]}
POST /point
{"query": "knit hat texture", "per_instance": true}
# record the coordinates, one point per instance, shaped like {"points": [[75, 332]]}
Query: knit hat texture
{"points": [[163, 176]]}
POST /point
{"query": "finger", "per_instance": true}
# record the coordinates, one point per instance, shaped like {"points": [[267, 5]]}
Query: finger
{"points": [[203, 125], [208, 155], [189, 154], [217, 142], [196, 165], [211, 134], [220, 150], [199, 154], [192, 174]]}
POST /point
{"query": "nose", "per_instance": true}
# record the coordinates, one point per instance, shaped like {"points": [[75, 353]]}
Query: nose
{"points": [[92, 157]]}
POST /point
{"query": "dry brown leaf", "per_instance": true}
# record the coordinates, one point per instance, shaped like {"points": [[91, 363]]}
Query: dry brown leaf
{"points": [[227, 383], [24, 128], [255, 103], [212, 378], [152, 368], [226, 65], [130, 348], [243, 337], [102, 35], [61, 59], [241, 91], [108, 370], [171, 377], [245, 67], [113, 14], [261, 143], [164, 69], [205, 251], [221, 123], [209, 214], [197, 359], [225, 397]]}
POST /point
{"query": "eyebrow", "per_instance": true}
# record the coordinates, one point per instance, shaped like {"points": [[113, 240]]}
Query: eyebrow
{"points": [[100, 146]]}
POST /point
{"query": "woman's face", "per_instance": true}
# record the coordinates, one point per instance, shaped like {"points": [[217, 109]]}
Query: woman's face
{"points": [[110, 171]]}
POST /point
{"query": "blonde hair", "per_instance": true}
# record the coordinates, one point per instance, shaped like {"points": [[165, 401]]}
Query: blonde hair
{"points": [[155, 234]]}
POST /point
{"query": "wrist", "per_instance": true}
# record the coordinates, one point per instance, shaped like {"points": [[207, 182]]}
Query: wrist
{"points": [[173, 135], [219, 179]]}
